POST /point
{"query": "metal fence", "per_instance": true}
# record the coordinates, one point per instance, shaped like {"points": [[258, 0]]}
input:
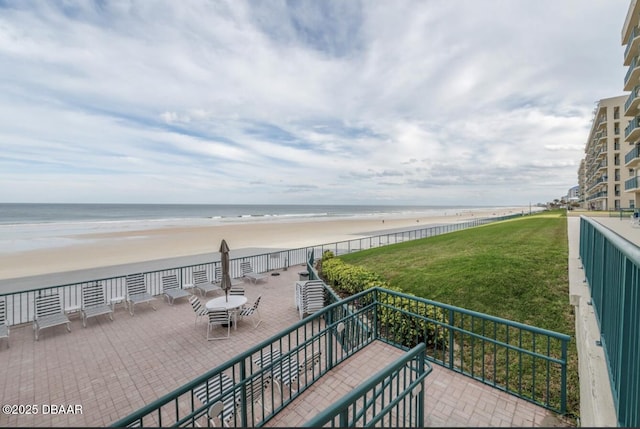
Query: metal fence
{"points": [[20, 306], [394, 397], [612, 270]]}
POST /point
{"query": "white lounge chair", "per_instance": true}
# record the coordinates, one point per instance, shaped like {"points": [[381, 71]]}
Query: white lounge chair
{"points": [[220, 396], [218, 279], [49, 313], [248, 273], [137, 292], [4, 326], [309, 296], [202, 283], [94, 302], [171, 289]]}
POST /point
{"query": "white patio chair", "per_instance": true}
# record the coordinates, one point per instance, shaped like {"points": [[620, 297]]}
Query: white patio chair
{"points": [[252, 312], [49, 313], [197, 308], [137, 292], [248, 273], [218, 317]]}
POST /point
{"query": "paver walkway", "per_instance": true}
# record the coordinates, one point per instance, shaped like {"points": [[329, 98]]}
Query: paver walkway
{"points": [[113, 368]]}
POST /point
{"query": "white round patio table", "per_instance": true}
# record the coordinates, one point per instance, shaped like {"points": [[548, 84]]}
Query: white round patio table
{"points": [[228, 303]]}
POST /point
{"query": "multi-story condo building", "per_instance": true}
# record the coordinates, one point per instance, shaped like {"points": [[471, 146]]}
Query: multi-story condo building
{"points": [[631, 155], [581, 184], [603, 173]]}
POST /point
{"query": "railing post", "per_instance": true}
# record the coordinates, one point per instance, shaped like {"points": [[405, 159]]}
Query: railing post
{"points": [[451, 337], [375, 312], [243, 395], [563, 393], [329, 337]]}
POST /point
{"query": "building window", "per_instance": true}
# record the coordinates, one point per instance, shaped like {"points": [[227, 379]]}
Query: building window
{"points": [[616, 128], [632, 204], [616, 144], [617, 174], [616, 159], [617, 190], [616, 113], [617, 204]]}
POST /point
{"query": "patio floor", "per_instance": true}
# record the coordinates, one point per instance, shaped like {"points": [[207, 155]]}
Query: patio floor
{"points": [[113, 368]]}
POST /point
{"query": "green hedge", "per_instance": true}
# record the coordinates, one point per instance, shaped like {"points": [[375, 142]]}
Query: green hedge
{"points": [[395, 325]]}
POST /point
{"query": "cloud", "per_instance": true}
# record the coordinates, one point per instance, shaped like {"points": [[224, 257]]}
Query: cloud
{"points": [[332, 102]]}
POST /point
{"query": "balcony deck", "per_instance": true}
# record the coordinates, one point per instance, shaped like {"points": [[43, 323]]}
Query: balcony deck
{"points": [[113, 368]]}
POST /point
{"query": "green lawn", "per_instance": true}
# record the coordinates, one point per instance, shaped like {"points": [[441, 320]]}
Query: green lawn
{"points": [[517, 270]]}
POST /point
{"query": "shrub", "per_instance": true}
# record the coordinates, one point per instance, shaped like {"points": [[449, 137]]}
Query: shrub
{"points": [[405, 329]]}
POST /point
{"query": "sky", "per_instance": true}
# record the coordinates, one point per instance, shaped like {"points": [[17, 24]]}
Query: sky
{"points": [[457, 102]]}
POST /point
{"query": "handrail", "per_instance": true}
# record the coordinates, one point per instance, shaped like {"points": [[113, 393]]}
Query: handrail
{"points": [[612, 271], [340, 408]]}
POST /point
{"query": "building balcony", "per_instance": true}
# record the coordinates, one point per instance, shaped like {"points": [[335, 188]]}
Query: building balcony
{"points": [[600, 181], [633, 43], [632, 185], [602, 153], [633, 74], [632, 131], [631, 105], [632, 158], [598, 195]]}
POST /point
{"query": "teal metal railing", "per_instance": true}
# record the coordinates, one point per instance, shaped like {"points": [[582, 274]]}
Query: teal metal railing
{"points": [[394, 397], [612, 270], [631, 183], [21, 304], [525, 361], [632, 66], [528, 362], [316, 335], [633, 124]]}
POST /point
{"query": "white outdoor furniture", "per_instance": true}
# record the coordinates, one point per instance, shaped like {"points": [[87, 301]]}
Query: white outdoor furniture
{"points": [[49, 313], [171, 289], [4, 327], [94, 302], [309, 296], [252, 312], [202, 283], [233, 302], [218, 317], [137, 292], [197, 308], [248, 273], [219, 394], [229, 303]]}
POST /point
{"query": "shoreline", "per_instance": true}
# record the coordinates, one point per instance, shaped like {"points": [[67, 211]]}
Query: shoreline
{"points": [[100, 249]]}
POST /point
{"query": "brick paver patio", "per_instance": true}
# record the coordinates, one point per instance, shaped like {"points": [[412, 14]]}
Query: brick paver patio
{"points": [[111, 369]]}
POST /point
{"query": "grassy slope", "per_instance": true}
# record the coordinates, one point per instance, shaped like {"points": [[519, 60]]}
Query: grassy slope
{"points": [[517, 270]]}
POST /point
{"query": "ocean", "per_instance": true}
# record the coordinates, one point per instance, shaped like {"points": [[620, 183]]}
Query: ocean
{"points": [[33, 226]]}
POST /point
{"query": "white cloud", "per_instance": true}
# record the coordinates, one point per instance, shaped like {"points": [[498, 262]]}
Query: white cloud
{"points": [[347, 102]]}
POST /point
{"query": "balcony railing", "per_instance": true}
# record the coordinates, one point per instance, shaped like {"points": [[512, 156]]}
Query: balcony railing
{"points": [[634, 33], [631, 184], [635, 93], [612, 270], [602, 194], [528, 362], [632, 66], [634, 125], [632, 155]]}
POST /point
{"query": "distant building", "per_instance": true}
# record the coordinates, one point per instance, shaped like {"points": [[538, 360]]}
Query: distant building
{"points": [[631, 155], [603, 175], [573, 194]]}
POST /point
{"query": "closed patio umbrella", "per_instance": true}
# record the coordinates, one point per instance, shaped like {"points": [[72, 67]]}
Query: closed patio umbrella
{"points": [[225, 281]]}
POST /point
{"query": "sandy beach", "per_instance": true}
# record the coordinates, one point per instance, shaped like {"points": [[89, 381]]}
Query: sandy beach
{"points": [[121, 247]]}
